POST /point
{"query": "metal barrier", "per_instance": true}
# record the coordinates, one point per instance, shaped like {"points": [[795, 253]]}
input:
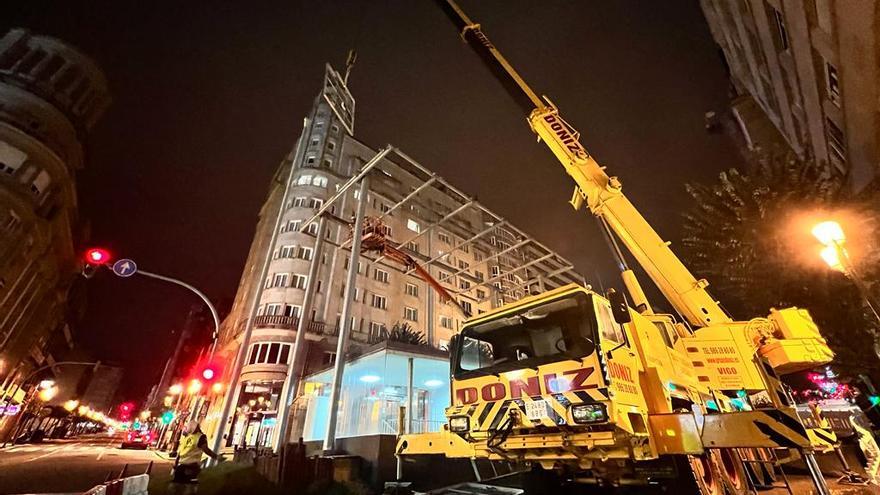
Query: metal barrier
{"points": [[129, 485]]}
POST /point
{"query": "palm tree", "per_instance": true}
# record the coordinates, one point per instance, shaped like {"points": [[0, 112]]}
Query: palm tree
{"points": [[737, 236], [404, 333]]}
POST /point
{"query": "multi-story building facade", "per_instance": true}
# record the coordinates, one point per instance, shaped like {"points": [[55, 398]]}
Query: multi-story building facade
{"points": [[811, 67], [50, 97], [478, 257]]}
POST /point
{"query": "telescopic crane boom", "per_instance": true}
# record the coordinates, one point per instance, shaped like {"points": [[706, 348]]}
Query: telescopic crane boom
{"points": [[602, 194]]}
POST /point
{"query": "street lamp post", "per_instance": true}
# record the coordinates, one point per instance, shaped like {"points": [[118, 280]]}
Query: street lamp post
{"points": [[28, 378], [835, 255]]}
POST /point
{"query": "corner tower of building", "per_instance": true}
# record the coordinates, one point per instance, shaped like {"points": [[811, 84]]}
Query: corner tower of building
{"points": [[51, 95]]}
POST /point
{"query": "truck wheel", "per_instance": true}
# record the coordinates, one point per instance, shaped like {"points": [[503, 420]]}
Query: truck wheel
{"points": [[697, 474], [732, 470], [540, 481]]}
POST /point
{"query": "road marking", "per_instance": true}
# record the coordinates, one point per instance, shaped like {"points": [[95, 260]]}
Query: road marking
{"points": [[47, 454]]}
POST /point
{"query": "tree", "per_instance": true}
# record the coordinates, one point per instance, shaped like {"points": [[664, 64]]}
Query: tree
{"points": [[404, 333], [747, 235]]}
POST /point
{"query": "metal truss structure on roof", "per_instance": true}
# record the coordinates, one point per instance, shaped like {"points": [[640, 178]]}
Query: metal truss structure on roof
{"points": [[525, 264]]}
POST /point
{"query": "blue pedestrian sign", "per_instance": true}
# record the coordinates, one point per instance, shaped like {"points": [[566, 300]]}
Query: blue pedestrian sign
{"points": [[125, 267]]}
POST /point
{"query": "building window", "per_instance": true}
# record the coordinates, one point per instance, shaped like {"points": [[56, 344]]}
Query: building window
{"points": [[781, 31], [279, 280], [273, 309], [411, 314], [11, 158], [481, 294], [287, 251], [412, 290], [313, 228], [299, 202], [462, 265], [331, 145], [385, 208], [334, 128], [413, 246], [292, 226], [479, 276], [299, 281], [836, 141], [832, 84], [378, 301], [328, 163], [304, 253], [478, 256], [329, 358], [315, 141], [464, 284], [446, 322], [466, 306], [310, 161], [319, 181], [376, 329], [291, 310], [41, 183], [496, 271], [380, 275], [269, 353], [316, 203], [444, 237], [413, 225]]}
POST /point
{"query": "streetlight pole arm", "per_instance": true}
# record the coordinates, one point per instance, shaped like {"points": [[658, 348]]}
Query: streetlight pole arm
{"points": [[199, 293]]}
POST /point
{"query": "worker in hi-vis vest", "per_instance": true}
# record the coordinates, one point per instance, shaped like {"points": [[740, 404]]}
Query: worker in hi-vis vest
{"points": [[193, 444]]}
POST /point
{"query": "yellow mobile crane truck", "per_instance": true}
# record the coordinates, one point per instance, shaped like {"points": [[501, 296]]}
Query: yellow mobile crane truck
{"points": [[613, 393]]}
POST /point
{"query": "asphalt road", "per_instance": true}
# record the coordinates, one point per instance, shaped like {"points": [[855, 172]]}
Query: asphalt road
{"points": [[64, 466]]}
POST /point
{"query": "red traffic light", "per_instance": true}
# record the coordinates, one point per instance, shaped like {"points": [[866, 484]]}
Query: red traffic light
{"points": [[97, 256], [209, 373]]}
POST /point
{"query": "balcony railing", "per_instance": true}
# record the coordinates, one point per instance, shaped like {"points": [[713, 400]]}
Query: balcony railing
{"points": [[287, 323]]}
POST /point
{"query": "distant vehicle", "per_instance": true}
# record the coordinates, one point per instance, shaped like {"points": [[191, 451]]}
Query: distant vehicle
{"points": [[137, 439]]}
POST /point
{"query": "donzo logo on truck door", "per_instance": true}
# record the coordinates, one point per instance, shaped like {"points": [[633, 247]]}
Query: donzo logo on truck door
{"points": [[549, 383]]}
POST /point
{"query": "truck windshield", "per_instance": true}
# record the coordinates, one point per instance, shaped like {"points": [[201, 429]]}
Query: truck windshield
{"points": [[556, 330]]}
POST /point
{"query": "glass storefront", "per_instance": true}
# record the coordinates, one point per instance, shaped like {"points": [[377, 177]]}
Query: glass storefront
{"points": [[374, 388], [256, 414]]}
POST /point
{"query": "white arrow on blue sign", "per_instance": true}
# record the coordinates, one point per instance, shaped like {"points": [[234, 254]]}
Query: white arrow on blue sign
{"points": [[125, 267]]}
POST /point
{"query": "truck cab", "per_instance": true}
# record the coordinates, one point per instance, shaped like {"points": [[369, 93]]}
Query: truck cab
{"points": [[556, 377]]}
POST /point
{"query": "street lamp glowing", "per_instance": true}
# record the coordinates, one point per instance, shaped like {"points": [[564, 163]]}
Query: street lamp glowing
{"points": [[82, 410], [45, 384], [194, 387], [71, 405], [217, 388], [47, 394], [831, 256], [175, 389], [829, 233]]}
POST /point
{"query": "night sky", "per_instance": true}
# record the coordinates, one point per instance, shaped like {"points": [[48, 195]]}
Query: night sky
{"points": [[208, 97]]}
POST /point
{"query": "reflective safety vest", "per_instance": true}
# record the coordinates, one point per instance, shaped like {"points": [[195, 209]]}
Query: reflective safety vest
{"points": [[189, 451]]}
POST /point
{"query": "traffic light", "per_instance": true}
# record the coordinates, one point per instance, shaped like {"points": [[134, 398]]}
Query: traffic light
{"points": [[167, 417], [125, 410], [209, 373], [97, 256]]}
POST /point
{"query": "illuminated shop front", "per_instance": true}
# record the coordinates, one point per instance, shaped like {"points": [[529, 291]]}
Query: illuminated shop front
{"points": [[374, 388], [256, 414]]}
